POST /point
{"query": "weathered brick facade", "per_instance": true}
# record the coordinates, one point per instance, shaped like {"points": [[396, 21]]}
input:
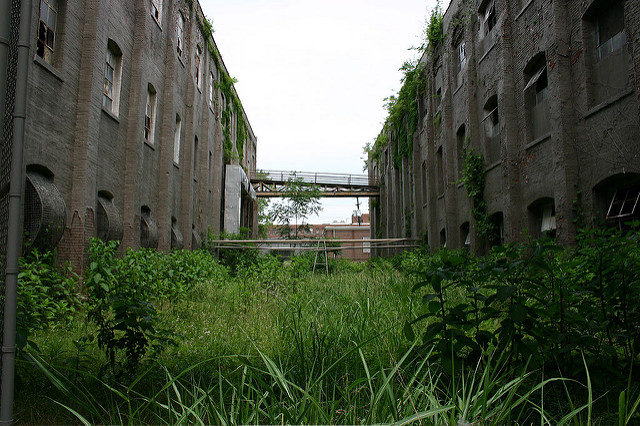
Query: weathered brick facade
{"points": [[96, 159], [565, 79]]}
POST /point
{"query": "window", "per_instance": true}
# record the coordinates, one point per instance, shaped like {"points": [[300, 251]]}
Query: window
{"points": [[465, 235], [156, 9], [491, 123], [496, 237], [542, 218], [176, 140], [210, 168], [423, 170], [610, 35], [195, 159], [198, 61], [211, 90], [443, 237], [150, 114], [112, 78], [625, 204], [536, 93], [488, 17], [462, 57], [460, 139], [180, 34], [47, 29], [440, 179]]}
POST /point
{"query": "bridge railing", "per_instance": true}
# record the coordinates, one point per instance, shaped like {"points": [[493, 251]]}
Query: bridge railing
{"points": [[315, 178]]}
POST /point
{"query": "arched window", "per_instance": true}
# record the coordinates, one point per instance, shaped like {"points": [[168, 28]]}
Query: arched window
{"points": [[177, 133], [488, 17], [542, 217], [496, 237], [112, 78], [465, 235], [443, 237], [150, 114], [461, 135]]}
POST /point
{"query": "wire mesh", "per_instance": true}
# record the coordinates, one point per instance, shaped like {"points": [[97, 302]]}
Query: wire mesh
{"points": [[5, 145]]}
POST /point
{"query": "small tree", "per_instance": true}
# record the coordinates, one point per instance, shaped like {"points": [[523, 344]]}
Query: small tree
{"points": [[301, 201]]}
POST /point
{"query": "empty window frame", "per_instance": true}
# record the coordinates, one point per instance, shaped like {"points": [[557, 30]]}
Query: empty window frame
{"points": [[198, 67], [195, 158], [156, 9], [425, 192], [465, 235], [441, 177], [610, 34], [47, 30], [625, 204], [180, 34], [488, 17], [443, 237], [112, 78], [491, 117], [176, 140], [150, 114]]}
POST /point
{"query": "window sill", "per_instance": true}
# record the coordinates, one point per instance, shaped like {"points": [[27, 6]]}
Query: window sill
{"points": [[488, 51], [493, 166], [425, 205], [180, 60], [176, 165], [212, 111], [526, 6], [460, 185], [458, 88], [537, 141], [199, 89], [111, 115], [47, 66], [607, 103], [157, 22], [149, 145], [441, 197]]}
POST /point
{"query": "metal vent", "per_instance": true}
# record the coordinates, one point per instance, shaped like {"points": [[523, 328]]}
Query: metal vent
{"points": [[109, 220], [148, 230], [177, 241], [196, 241], [44, 213]]}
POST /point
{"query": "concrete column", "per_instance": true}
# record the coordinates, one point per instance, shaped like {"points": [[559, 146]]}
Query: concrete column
{"points": [[133, 147]]}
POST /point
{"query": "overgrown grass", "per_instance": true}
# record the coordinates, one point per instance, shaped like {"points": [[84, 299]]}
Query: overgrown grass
{"points": [[274, 343]]}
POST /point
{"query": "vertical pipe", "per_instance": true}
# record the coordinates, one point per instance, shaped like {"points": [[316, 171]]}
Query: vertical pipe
{"points": [[15, 225], [5, 18]]}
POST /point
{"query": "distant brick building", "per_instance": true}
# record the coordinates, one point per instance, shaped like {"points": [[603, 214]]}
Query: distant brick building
{"points": [[549, 93], [355, 230], [134, 131]]}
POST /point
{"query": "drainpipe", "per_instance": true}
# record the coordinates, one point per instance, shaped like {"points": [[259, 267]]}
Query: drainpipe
{"points": [[5, 14], [15, 222]]}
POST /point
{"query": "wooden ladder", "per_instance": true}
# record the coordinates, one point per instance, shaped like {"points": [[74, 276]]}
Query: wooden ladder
{"points": [[326, 256]]}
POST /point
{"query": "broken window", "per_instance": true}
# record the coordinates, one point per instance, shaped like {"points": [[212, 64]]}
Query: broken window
{"points": [[610, 33], [465, 235], [112, 78], [548, 219], [491, 123], [176, 140], [488, 17], [625, 204], [496, 237], [542, 218], [536, 93], [156, 9], [47, 29], [180, 34], [150, 114], [425, 193], [198, 60], [461, 57], [443, 237]]}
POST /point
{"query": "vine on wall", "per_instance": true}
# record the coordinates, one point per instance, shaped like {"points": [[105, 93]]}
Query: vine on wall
{"points": [[474, 180]]}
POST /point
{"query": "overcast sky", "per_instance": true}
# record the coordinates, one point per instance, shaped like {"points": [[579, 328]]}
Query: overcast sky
{"points": [[312, 76]]}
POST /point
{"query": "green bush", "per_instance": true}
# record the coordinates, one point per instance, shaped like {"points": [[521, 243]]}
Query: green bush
{"points": [[47, 297]]}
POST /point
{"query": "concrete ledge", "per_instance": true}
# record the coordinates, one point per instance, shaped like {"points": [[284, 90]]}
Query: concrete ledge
{"points": [[111, 115], [537, 141], [47, 66], [607, 103], [488, 51], [493, 165], [526, 6]]}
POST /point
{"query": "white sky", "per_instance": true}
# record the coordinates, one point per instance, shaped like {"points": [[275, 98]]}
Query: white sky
{"points": [[312, 76]]}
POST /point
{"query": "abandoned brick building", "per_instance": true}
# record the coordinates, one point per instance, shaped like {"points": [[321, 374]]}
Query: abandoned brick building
{"points": [[134, 130], [549, 93]]}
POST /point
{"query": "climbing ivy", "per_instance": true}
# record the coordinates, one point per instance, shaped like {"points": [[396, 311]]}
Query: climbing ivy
{"points": [[434, 31], [232, 106], [474, 180]]}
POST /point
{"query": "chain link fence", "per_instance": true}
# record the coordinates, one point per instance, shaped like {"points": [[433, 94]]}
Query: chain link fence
{"points": [[5, 145]]}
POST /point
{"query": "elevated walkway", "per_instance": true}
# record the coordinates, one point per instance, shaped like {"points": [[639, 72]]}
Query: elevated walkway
{"points": [[272, 183]]}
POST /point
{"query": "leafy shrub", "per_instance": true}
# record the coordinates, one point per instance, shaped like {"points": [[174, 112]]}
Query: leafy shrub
{"points": [[47, 297], [535, 300], [234, 259]]}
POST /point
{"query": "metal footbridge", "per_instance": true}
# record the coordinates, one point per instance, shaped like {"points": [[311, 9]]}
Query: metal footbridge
{"points": [[272, 183]]}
